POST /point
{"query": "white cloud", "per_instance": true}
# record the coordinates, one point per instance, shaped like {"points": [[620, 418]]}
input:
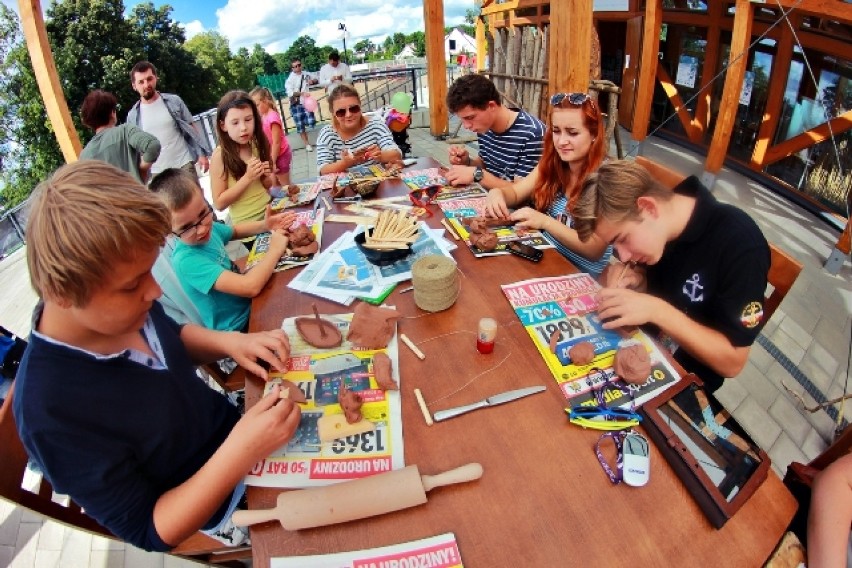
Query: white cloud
{"points": [[276, 25], [193, 28]]}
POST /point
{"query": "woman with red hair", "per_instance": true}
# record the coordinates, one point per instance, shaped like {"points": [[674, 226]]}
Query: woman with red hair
{"points": [[573, 150]]}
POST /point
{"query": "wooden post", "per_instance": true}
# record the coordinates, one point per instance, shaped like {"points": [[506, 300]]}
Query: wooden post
{"points": [[570, 46], [481, 46], [38, 46], [726, 119], [647, 69], [841, 251], [433, 17]]}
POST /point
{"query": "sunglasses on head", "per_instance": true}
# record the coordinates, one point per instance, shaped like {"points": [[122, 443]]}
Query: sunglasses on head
{"points": [[341, 112], [576, 99]]}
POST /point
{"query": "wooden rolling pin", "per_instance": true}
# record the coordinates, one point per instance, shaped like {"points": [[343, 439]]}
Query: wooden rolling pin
{"points": [[356, 499]]}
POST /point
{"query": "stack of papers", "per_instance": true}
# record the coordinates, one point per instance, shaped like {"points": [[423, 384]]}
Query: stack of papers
{"points": [[342, 273]]}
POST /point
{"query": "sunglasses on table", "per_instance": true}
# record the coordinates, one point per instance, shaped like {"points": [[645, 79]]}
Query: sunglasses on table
{"points": [[600, 416], [576, 99], [341, 112], [423, 197]]}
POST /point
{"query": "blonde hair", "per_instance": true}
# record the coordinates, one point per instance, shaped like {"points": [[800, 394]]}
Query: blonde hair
{"points": [[263, 94], [176, 187], [611, 193], [83, 218]]}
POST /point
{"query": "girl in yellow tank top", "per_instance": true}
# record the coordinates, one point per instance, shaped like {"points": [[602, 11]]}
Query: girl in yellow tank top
{"points": [[240, 169]]}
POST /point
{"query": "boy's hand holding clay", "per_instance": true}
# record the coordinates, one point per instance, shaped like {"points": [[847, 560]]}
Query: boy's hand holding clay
{"points": [[272, 346]]}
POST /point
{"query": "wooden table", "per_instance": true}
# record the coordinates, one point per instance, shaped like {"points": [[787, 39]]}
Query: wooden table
{"points": [[543, 499]]}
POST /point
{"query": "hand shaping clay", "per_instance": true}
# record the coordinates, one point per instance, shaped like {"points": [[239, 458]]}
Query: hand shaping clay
{"points": [[382, 372], [350, 402], [300, 236], [486, 242], [306, 250], [554, 340], [290, 391], [632, 363], [582, 353], [372, 327]]}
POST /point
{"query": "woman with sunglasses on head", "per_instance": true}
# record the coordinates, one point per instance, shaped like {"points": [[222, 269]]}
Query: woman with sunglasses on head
{"points": [[351, 139], [241, 167], [574, 149]]}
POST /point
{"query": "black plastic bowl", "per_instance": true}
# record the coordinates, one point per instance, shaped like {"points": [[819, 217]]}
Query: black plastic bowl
{"points": [[380, 257]]}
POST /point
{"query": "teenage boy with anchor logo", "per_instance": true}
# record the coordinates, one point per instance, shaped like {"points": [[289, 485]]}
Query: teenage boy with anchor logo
{"points": [[706, 266]]}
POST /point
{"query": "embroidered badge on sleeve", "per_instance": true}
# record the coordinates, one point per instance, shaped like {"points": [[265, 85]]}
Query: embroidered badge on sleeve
{"points": [[752, 315]]}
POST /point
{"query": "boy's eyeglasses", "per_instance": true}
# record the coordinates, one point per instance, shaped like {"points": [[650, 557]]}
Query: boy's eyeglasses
{"points": [[194, 226], [341, 112], [576, 99]]}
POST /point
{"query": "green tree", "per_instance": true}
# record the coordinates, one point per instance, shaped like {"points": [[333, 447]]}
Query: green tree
{"points": [[261, 63], [306, 50], [418, 39], [213, 54]]}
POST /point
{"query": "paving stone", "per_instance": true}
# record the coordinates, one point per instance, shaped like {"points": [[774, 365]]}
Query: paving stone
{"points": [[77, 549], [787, 345], [51, 536], [831, 336], [760, 358], [813, 445], [790, 418], [732, 393], [10, 518], [756, 421], [800, 314], [103, 543], [784, 451], [819, 366], [26, 545], [46, 559], [107, 558], [797, 333], [763, 388], [138, 558], [7, 553]]}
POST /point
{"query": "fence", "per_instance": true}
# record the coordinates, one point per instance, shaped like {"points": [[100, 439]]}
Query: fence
{"points": [[12, 226]]}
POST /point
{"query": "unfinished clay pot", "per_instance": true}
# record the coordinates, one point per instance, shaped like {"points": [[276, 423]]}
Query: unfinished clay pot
{"points": [[318, 332], [582, 353], [372, 327], [486, 242], [350, 402], [382, 371]]}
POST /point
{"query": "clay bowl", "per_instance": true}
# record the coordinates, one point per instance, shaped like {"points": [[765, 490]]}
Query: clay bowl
{"points": [[380, 257]]}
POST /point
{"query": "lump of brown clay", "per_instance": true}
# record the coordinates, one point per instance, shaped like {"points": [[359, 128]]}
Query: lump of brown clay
{"points": [[317, 331], [306, 250], [300, 236], [486, 242], [382, 372], [582, 353], [372, 327], [632, 363], [478, 225], [350, 402], [290, 391], [554, 340]]}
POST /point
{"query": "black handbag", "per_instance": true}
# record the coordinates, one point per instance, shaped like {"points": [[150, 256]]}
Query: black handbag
{"points": [[297, 99], [716, 460]]}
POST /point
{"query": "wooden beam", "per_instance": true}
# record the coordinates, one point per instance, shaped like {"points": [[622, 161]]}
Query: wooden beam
{"points": [[44, 67], [839, 124], [726, 119], [683, 115], [647, 69], [570, 46], [433, 17], [775, 95], [701, 118], [481, 44], [834, 9]]}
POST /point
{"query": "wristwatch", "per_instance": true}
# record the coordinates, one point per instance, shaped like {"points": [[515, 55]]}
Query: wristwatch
{"points": [[477, 174]]}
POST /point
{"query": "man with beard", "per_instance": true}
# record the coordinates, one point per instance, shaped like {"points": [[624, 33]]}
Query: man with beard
{"points": [[165, 116]]}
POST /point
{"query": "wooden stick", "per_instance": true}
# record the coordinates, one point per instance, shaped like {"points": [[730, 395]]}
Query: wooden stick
{"points": [[321, 327], [450, 229], [326, 203], [411, 346], [422, 404]]}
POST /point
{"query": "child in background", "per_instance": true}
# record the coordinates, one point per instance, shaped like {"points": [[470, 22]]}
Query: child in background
{"points": [[106, 399], [212, 281], [240, 170], [274, 130]]}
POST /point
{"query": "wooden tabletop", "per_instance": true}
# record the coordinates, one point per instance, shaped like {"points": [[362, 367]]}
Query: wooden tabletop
{"points": [[543, 499]]}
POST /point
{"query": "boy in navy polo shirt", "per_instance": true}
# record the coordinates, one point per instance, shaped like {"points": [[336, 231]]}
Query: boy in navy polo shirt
{"points": [[706, 266], [106, 399]]}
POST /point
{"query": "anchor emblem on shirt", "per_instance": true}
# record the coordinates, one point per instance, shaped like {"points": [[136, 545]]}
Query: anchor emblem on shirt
{"points": [[693, 289]]}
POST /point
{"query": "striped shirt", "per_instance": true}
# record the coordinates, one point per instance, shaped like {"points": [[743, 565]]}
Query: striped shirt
{"points": [[559, 211], [515, 152], [330, 145]]}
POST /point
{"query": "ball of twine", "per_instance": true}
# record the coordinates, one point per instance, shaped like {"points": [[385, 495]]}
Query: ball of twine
{"points": [[436, 283]]}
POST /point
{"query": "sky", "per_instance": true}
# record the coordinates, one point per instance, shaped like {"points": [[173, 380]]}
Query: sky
{"points": [[275, 24]]}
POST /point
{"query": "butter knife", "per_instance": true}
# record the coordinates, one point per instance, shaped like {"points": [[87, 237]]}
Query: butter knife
{"points": [[507, 396]]}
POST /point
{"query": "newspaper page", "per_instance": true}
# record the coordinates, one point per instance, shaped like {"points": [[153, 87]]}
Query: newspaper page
{"points": [[319, 373], [307, 193], [430, 177], [434, 552], [459, 212], [566, 305], [313, 219]]}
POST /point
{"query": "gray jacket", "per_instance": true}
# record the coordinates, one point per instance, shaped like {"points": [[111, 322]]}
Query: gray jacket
{"points": [[183, 119]]}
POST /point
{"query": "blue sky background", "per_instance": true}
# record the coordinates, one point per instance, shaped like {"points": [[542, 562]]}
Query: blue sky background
{"points": [[275, 24]]}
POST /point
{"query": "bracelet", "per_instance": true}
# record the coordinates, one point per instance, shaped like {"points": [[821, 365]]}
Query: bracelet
{"points": [[468, 160]]}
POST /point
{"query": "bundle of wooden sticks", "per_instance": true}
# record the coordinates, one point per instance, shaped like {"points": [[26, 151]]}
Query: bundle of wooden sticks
{"points": [[393, 230]]}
